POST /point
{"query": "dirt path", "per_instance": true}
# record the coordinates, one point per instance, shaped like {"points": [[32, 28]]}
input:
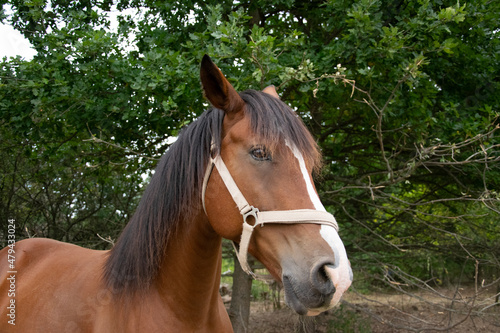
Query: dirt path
{"points": [[452, 311]]}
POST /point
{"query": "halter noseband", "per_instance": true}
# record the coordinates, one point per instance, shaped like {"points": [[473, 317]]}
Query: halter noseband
{"points": [[296, 216]]}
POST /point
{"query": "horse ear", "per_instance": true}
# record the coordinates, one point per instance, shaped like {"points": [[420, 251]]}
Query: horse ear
{"points": [[271, 90], [217, 88]]}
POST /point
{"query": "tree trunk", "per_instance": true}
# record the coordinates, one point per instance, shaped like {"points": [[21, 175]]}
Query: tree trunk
{"points": [[239, 311]]}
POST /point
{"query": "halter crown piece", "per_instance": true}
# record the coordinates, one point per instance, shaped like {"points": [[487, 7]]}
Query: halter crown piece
{"points": [[296, 216]]}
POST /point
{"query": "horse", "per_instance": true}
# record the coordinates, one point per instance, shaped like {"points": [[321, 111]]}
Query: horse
{"points": [[241, 171]]}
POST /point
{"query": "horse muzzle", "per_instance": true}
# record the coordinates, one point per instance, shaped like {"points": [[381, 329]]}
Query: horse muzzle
{"points": [[320, 291]]}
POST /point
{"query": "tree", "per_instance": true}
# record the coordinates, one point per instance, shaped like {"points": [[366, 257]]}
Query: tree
{"points": [[239, 312], [401, 96]]}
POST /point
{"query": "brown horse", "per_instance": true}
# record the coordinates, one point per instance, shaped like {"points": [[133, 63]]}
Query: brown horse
{"points": [[248, 157]]}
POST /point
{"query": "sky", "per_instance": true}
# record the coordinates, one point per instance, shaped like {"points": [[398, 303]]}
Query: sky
{"points": [[12, 43]]}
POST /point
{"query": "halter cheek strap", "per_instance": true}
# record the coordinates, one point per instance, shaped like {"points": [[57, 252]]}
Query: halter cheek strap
{"points": [[297, 216]]}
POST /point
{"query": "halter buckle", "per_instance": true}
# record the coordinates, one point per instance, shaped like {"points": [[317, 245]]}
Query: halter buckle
{"points": [[252, 212]]}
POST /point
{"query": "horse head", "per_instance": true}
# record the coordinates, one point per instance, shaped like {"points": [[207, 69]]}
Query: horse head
{"points": [[259, 193]]}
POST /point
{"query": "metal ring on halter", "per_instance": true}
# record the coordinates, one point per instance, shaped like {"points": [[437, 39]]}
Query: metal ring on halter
{"points": [[252, 212]]}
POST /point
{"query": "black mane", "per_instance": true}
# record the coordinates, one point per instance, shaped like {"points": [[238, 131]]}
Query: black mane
{"points": [[175, 189]]}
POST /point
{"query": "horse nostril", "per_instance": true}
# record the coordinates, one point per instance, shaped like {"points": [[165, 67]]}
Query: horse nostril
{"points": [[320, 279]]}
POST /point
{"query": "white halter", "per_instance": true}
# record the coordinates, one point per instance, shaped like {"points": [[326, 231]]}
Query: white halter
{"points": [[297, 216]]}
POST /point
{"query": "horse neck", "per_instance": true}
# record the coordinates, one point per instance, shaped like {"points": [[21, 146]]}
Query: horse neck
{"points": [[190, 274]]}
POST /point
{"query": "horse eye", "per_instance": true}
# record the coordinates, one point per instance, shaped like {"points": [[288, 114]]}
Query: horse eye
{"points": [[260, 154]]}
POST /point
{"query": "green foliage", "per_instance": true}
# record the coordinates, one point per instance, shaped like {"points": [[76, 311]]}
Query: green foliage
{"points": [[401, 96]]}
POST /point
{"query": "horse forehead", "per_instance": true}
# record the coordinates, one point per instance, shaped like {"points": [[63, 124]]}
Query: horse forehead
{"points": [[239, 130]]}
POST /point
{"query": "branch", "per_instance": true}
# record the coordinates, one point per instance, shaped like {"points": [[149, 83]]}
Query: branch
{"points": [[126, 150]]}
